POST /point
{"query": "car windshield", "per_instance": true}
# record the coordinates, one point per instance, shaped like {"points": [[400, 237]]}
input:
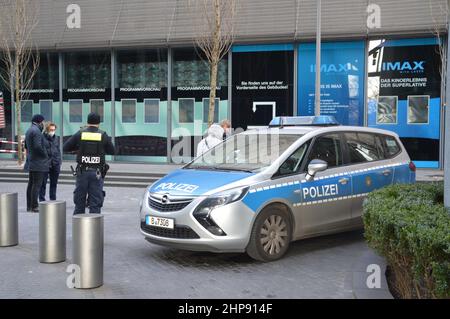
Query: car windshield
{"points": [[245, 152]]}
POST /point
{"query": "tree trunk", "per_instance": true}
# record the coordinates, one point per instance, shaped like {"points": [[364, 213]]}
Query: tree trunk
{"points": [[214, 62], [212, 93], [18, 111]]}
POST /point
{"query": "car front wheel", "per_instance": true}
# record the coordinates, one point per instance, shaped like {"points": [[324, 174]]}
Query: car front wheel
{"points": [[271, 234]]}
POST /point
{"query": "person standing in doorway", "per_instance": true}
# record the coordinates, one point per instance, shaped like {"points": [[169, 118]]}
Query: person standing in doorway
{"points": [[37, 162], [54, 164]]}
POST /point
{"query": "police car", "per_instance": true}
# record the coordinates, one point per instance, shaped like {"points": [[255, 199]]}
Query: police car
{"points": [[261, 189]]}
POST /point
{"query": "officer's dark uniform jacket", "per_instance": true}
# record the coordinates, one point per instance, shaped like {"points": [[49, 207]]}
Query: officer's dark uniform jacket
{"points": [[92, 145]]}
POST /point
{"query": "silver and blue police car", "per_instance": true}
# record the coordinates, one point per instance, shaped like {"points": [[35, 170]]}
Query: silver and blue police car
{"points": [[261, 189]]}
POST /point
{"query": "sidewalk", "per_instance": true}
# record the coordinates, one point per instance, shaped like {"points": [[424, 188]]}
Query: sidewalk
{"points": [[422, 175], [429, 175], [114, 166]]}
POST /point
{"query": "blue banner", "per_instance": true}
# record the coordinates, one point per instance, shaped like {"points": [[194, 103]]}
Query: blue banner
{"points": [[342, 80], [404, 94]]}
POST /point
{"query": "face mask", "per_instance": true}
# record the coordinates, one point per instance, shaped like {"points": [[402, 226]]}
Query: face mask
{"points": [[41, 126], [51, 134]]}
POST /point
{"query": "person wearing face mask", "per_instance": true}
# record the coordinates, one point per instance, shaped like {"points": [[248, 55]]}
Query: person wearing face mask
{"points": [[37, 162], [226, 125], [54, 163]]}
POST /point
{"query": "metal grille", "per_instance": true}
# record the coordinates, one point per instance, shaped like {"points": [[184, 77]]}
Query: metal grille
{"points": [[182, 232], [167, 207]]}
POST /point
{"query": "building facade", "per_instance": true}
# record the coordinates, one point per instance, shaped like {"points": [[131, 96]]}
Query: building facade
{"points": [[134, 63]]}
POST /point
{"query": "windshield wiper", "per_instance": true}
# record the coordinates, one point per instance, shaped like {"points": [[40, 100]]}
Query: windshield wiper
{"points": [[236, 169], [214, 168]]}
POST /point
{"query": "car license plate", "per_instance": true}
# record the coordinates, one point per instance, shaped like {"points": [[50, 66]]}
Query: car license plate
{"points": [[160, 222]]}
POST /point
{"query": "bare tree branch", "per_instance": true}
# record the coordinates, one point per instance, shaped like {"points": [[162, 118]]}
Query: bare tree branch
{"points": [[19, 56], [214, 22]]}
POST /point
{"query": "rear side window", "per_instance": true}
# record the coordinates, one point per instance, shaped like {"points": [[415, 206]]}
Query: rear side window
{"points": [[363, 147], [391, 146], [328, 149]]}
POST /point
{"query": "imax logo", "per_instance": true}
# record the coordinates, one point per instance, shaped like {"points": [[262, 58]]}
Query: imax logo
{"points": [[341, 67], [403, 66]]}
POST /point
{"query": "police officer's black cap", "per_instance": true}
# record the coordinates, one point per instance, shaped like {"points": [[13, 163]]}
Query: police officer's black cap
{"points": [[93, 118]]}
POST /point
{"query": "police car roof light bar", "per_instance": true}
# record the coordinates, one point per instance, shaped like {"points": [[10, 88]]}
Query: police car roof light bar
{"points": [[323, 120]]}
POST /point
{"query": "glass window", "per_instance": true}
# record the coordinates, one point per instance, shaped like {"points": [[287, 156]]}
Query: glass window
{"points": [[293, 163], [391, 145], [26, 113], [88, 70], [327, 148], [186, 110], [128, 111], [363, 147], [46, 109], [206, 110], [190, 69], [151, 111], [47, 76], [98, 106], [75, 111], [142, 69], [245, 152]]}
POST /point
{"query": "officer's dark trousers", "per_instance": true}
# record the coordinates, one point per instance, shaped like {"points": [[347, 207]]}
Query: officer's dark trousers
{"points": [[88, 185]]}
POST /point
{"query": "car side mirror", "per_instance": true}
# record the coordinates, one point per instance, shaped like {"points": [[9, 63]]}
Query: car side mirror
{"points": [[315, 166]]}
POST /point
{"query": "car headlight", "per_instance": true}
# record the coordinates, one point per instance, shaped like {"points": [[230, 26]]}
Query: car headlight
{"points": [[203, 211]]}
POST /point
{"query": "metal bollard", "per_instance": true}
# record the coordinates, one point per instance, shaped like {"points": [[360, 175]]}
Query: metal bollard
{"points": [[9, 220], [52, 232], [87, 233]]}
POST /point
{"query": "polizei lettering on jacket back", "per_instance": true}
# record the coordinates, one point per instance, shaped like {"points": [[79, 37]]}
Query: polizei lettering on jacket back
{"points": [[320, 191], [90, 159]]}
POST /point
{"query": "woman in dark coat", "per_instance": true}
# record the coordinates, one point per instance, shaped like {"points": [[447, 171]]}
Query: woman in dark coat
{"points": [[52, 141]]}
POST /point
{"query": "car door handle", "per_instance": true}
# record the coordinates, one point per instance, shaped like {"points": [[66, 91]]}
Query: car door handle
{"points": [[386, 172], [343, 180]]}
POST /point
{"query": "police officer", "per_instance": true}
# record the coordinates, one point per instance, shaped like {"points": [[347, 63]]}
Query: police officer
{"points": [[91, 145]]}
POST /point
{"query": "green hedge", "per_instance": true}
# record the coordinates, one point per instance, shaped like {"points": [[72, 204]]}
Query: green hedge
{"points": [[410, 227]]}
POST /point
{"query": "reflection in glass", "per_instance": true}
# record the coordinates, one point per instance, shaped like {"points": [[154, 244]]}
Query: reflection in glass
{"points": [[98, 106], [75, 111], [46, 109], [186, 110], [151, 111], [387, 110], [128, 111], [418, 109], [26, 111]]}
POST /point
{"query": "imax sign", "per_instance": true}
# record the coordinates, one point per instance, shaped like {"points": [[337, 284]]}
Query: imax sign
{"points": [[340, 67], [403, 66]]}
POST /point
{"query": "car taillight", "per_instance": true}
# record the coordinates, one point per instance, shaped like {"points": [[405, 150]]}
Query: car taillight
{"points": [[412, 166]]}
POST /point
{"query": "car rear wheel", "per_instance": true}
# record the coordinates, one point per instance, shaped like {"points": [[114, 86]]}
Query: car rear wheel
{"points": [[271, 234]]}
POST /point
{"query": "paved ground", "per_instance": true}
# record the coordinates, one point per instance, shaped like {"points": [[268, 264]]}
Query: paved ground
{"points": [[324, 267], [427, 175]]}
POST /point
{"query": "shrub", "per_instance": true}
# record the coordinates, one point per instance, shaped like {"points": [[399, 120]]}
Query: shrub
{"points": [[410, 227]]}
